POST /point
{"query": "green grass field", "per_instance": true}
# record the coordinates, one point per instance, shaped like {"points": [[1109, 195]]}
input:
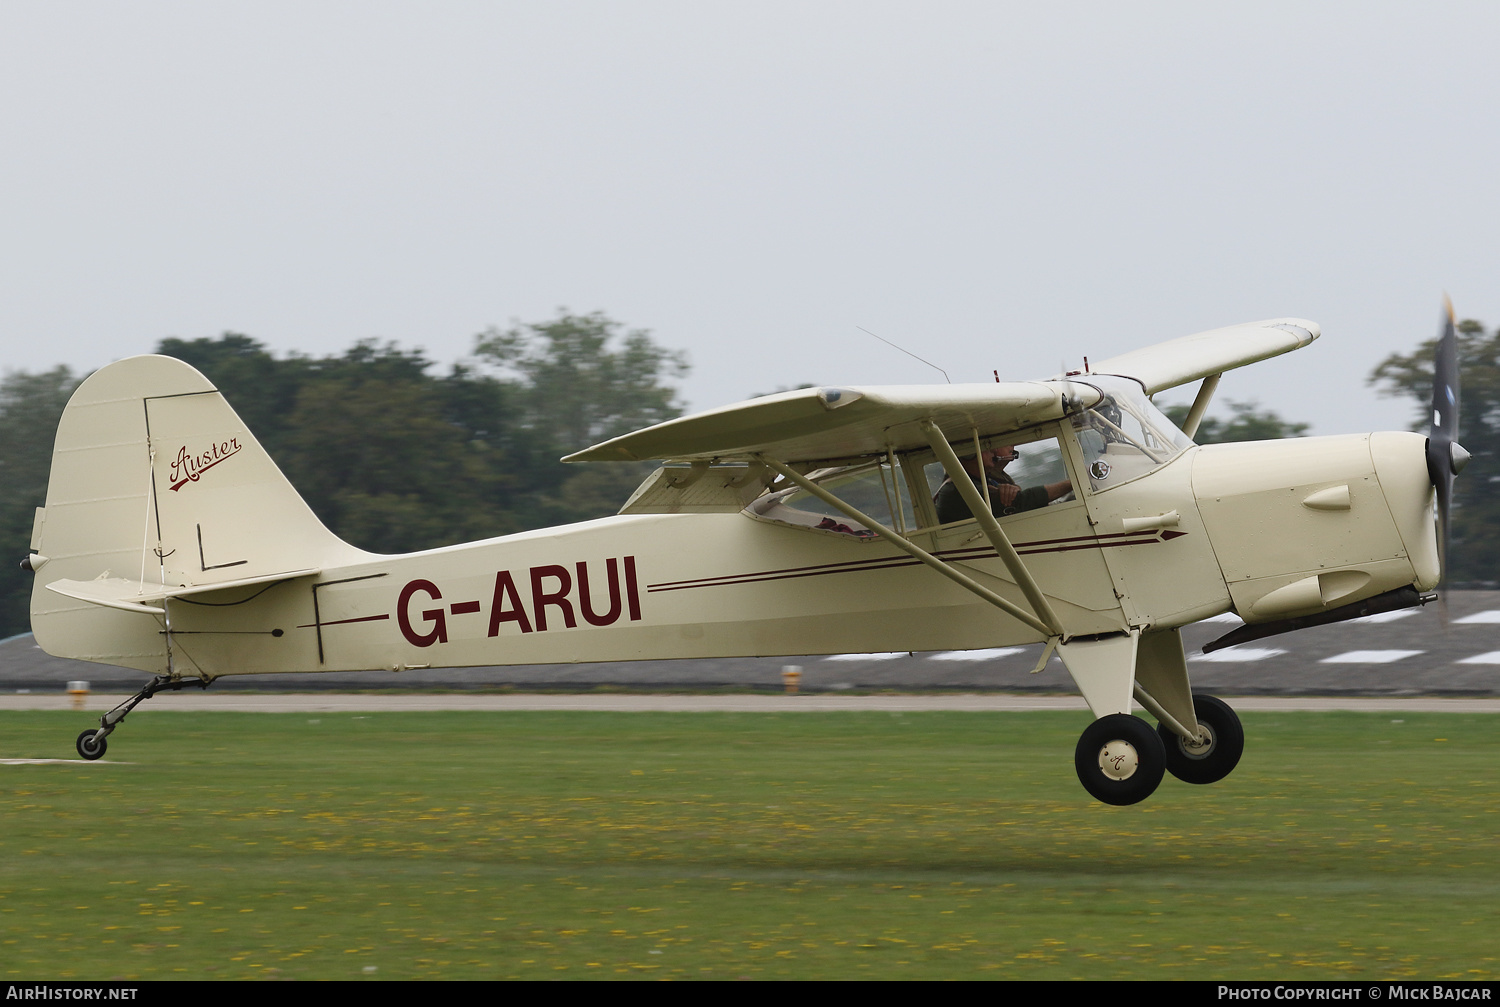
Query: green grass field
{"points": [[576, 845]]}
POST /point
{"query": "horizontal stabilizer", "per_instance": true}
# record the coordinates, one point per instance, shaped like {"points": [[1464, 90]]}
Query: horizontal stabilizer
{"points": [[140, 596], [1178, 361]]}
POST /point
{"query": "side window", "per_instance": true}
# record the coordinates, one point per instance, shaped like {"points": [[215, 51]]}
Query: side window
{"points": [[875, 488], [1022, 476], [1025, 471]]}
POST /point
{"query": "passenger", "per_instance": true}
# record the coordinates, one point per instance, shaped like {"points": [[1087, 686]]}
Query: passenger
{"points": [[1005, 496]]}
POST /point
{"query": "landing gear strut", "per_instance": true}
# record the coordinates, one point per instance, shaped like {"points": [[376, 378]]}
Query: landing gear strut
{"points": [[1120, 760], [91, 744]]}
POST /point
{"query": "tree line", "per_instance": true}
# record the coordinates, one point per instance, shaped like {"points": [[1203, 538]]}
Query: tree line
{"points": [[394, 456], [390, 455]]}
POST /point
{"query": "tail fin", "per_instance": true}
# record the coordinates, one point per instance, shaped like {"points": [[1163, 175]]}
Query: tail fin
{"points": [[158, 490]]}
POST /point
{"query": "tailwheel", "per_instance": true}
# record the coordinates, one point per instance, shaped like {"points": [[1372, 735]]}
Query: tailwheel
{"points": [[1119, 759], [1215, 757], [91, 745]]}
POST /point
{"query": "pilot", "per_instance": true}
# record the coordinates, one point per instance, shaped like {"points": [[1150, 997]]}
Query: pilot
{"points": [[1005, 496]]}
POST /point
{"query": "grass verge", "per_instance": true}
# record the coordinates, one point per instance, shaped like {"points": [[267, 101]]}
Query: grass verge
{"points": [[456, 845]]}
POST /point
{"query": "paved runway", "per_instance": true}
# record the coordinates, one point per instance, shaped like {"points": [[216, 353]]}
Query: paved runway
{"points": [[1409, 653]]}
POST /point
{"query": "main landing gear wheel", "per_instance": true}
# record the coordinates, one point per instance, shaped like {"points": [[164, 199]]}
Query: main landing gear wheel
{"points": [[1224, 743], [1119, 759], [89, 748]]}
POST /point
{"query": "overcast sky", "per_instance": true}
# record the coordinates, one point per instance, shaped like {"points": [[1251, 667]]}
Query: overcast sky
{"points": [[993, 186]]}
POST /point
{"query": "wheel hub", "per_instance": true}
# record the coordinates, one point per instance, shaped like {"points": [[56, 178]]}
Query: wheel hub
{"points": [[1118, 759], [1201, 748]]}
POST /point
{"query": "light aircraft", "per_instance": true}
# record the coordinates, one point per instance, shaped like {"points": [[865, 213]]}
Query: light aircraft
{"points": [[798, 523]]}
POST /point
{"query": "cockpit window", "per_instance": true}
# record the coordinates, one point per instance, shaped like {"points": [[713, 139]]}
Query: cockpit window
{"points": [[874, 487], [1124, 436], [1026, 474]]}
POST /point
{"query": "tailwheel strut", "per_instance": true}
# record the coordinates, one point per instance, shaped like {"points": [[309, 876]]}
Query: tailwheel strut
{"points": [[91, 744]]}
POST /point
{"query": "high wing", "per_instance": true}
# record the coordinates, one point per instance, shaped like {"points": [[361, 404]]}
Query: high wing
{"points": [[1178, 361], [816, 424]]}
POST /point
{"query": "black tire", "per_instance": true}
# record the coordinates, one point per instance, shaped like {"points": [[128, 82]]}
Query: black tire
{"points": [[1214, 761], [1120, 760], [88, 747]]}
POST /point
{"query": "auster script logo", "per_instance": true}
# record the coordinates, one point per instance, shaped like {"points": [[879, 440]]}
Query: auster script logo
{"points": [[188, 468]]}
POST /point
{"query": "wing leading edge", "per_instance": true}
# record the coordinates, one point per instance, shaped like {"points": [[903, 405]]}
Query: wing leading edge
{"points": [[813, 424]]}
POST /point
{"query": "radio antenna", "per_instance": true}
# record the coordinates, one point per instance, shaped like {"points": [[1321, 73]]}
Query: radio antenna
{"points": [[909, 353]]}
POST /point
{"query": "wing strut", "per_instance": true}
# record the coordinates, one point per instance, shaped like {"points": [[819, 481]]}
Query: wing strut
{"points": [[991, 528], [1200, 404], [912, 549]]}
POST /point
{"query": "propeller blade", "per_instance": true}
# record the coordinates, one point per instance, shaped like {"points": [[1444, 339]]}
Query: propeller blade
{"points": [[1444, 488], [1445, 456], [1445, 390]]}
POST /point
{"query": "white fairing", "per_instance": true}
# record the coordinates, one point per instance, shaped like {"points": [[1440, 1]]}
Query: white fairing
{"points": [[1303, 526]]}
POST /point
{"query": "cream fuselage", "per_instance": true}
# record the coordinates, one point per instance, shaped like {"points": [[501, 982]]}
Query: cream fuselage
{"points": [[655, 586]]}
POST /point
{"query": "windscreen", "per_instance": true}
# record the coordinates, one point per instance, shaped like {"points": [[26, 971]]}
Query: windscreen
{"points": [[1124, 436]]}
